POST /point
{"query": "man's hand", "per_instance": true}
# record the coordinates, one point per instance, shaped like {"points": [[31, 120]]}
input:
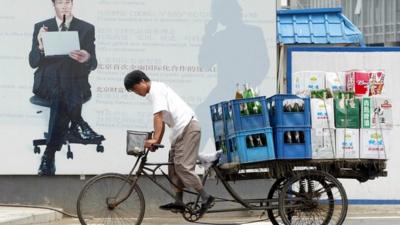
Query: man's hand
{"points": [[149, 144], [40, 35], [81, 56]]}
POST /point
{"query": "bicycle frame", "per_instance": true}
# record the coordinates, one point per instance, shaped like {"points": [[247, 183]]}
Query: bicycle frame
{"points": [[141, 163]]}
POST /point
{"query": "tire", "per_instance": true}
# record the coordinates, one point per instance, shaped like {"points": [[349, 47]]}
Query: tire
{"points": [[93, 207], [313, 197], [276, 188]]}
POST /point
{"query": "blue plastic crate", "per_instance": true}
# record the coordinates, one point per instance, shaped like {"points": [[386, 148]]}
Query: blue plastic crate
{"points": [[217, 117], [293, 147], [251, 146], [281, 107], [237, 120], [221, 144]]}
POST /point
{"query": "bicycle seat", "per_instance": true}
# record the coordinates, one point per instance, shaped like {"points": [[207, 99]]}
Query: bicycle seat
{"points": [[208, 159]]}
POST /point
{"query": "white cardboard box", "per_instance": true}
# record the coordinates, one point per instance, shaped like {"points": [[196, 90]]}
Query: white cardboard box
{"points": [[322, 115], [298, 83], [347, 143], [376, 112], [335, 81], [314, 80], [323, 143], [374, 143], [303, 82]]}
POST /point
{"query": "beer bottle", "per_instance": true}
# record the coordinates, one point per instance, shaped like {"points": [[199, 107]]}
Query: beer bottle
{"points": [[313, 94], [219, 115], [302, 139], [301, 106], [245, 90], [324, 94], [214, 113], [296, 136], [255, 109], [259, 141], [223, 147], [296, 107], [288, 137], [249, 93], [241, 105], [250, 141], [257, 103], [238, 94], [245, 109]]}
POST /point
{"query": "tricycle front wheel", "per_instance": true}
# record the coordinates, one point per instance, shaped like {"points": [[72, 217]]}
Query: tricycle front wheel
{"points": [[100, 201]]}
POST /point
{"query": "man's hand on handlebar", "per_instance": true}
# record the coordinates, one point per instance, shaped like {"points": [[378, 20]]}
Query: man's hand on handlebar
{"points": [[152, 145]]}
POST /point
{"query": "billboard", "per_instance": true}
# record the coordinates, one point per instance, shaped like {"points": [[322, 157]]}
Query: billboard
{"points": [[200, 48]]}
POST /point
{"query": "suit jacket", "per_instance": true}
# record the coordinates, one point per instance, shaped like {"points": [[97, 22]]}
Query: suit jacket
{"points": [[62, 73]]}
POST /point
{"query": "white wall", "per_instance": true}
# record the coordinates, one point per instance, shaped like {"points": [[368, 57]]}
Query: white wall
{"points": [[132, 34]]}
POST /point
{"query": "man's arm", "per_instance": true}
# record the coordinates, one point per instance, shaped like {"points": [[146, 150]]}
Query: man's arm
{"points": [[87, 55], [35, 55], [159, 127]]}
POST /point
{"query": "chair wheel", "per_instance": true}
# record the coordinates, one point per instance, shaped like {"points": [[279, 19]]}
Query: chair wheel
{"points": [[70, 155], [36, 150], [100, 148]]}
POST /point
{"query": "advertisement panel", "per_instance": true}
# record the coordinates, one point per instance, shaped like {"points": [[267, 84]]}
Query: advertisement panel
{"points": [[200, 48]]}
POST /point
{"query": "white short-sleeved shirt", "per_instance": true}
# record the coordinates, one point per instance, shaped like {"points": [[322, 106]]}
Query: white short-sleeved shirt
{"points": [[175, 112]]}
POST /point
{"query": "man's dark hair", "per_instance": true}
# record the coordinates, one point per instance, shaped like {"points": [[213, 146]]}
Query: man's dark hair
{"points": [[134, 77]]}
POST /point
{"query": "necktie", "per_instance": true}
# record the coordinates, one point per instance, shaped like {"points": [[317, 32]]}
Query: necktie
{"points": [[63, 27]]}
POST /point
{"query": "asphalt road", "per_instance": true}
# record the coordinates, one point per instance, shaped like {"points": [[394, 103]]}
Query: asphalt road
{"points": [[389, 220]]}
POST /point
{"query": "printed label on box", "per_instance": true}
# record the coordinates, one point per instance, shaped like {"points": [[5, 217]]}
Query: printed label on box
{"points": [[347, 143], [376, 112], [322, 114], [335, 82], [373, 144], [377, 80], [323, 143], [358, 82]]}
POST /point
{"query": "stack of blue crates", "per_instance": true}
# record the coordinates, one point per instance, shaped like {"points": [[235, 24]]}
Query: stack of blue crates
{"points": [[247, 137], [290, 118]]}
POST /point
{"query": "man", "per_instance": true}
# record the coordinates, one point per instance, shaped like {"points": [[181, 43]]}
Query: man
{"points": [[170, 109], [63, 81]]}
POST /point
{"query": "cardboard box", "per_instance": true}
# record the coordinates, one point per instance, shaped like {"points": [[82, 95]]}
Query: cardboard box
{"points": [[347, 144], [376, 82], [374, 143], [335, 82], [298, 87], [358, 82], [323, 143], [376, 112], [314, 80], [322, 114], [347, 113]]}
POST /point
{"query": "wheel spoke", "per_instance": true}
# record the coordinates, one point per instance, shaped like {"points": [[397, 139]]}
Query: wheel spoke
{"points": [[313, 197], [99, 195]]}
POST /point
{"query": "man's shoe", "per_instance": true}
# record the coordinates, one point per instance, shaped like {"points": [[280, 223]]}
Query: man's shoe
{"points": [[83, 133], [207, 205], [89, 133], [174, 207], [47, 167]]}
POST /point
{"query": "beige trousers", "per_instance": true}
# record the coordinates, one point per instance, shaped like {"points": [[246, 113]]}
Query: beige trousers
{"points": [[183, 154]]}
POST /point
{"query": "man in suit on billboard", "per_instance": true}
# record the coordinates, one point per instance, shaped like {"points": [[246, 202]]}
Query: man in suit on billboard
{"points": [[63, 81]]}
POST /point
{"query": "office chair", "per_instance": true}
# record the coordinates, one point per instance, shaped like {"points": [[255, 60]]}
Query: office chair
{"points": [[36, 100]]}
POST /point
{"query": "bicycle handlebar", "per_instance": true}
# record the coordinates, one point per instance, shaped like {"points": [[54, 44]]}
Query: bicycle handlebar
{"points": [[158, 146]]}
